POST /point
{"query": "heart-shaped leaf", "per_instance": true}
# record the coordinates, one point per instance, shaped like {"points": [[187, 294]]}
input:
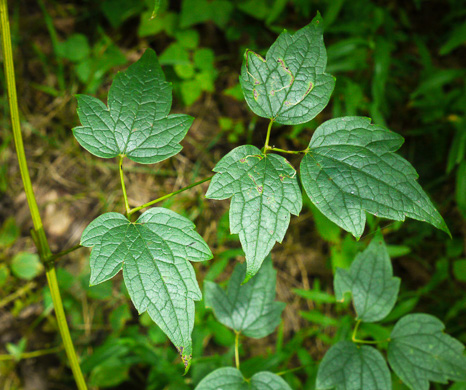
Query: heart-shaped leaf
{"points": [[370, 281], [154, 253], [264, 191], [136, 123], [420, 352], [350, 167], [290, 85], [250, 308]]}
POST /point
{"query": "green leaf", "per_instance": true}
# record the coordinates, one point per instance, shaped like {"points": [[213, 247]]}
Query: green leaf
{"points": [[26, 265], [230, 378], [136, 123], [370, 280], [350, 167], [9, 232], [347, 366], [290, 86], [420, 352], [264, 191], [154, 253], [250, 308]]}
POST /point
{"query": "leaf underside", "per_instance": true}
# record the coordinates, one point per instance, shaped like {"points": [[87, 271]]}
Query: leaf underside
{"points": [[250, 308], [154, 253], [420, 352], [290, 86], [264, 191], [347, 366], [370, 281], [351, 167], [230, 378], [136, 123]]}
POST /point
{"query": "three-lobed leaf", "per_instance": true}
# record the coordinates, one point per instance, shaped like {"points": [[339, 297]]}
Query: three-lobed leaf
{"points": [[264, 191], [136, 122], [290, 85], [420, 352], [154, 253], [347, 366], [230, 378], [370, 281], [250, 308], [350, 167]]}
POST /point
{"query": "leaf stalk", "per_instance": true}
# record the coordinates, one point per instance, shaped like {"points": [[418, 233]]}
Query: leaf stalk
{"points": [[39, 232], [123, 187], [356, 340], [237, 349], [267, 138]]}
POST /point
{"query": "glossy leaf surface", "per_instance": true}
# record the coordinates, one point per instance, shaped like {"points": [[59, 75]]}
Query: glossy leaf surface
{"points": [[370, 281], [136, 123], [351, 168], [250, 308], [154, 253], [290, 85], [420, 352]]}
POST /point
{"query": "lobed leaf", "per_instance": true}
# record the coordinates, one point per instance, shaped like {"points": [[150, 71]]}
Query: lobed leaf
{"points": [[290, 86], [350, 167], [230, 378], [420, 352], [370, 281], [154, 253], [347, 366], [264, 191], [136, 123], [250, 308]]}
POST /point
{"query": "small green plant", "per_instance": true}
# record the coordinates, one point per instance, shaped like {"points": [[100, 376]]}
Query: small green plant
{"points": [[349, 169]]}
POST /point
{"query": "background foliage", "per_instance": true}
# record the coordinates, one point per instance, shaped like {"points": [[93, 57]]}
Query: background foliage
{"points": [[401, 63]]}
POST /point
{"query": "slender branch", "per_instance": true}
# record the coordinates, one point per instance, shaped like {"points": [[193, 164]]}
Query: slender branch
{"points": [[33, 354], [287, 151], [123, 187], [356, 340], [237, 349], [289, 371], [41, 239], [152, 202], [20, 291], [56, 256], [267, 138]]}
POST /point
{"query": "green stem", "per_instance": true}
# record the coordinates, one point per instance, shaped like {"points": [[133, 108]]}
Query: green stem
{"points": [[356, 340], [29, 355], [132, 211], [56, 256], [44, 248], [289, 371], [237, 349], [287, 151], [122, 178], [267, 138]]}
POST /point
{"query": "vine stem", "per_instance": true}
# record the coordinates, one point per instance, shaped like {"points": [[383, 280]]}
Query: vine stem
{"points": [[267, 138], [132, 211], [123, 187], [356, 340], [287, 151], [237, 349], [43, 245]]}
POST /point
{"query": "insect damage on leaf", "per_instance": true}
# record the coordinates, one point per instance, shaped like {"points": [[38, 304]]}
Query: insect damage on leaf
{"points": [[290, 85]]}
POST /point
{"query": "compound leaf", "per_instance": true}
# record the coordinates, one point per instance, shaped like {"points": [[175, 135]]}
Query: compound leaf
{"points": [[350, 167], [264, 191], [290, 86], [347, 366], [136, 123], [154, 253], [420, 352], [370, 281], [229, 378], [250, 308]]}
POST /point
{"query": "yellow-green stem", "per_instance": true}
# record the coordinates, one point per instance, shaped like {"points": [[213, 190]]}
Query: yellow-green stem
{"points": [[356, 340], [122, 178], [267, 138], [152, 202], [30, 355], [41, 239], [287, 151], [237, 349]]}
